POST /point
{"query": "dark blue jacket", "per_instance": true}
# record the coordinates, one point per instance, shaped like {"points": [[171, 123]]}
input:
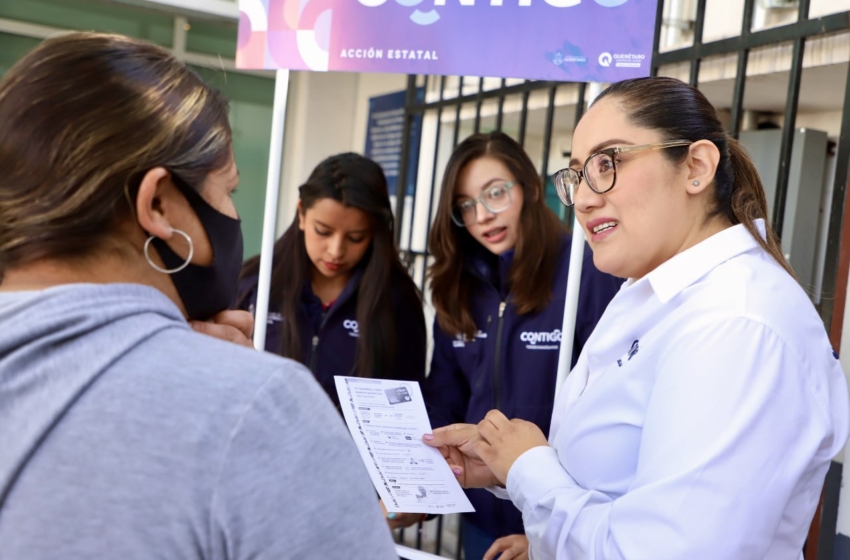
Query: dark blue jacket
{"points": [[329, 339], [512, 362]]}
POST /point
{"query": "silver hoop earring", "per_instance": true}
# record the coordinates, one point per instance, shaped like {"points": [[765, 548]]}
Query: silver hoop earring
{"points": [[172, 270], [696, 183]]}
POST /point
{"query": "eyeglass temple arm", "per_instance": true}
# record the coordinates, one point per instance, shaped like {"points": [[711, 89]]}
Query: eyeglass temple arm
{"points": [[671, 144]]}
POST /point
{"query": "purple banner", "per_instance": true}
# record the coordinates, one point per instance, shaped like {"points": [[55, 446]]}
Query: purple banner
{"points": [[565, 40]]}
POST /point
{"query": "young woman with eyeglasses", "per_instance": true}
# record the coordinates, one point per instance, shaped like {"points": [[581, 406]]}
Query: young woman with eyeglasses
{"points": [[498, 284], [702, 415]]}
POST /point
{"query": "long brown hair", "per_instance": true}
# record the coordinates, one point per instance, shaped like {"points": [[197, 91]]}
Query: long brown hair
{"points": [[356, 182], [679, 111], [84, 116], [538, 242]]}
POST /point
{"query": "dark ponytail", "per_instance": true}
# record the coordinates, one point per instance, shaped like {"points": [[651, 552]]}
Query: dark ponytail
{"points": [[739, 192], [748, 202]]}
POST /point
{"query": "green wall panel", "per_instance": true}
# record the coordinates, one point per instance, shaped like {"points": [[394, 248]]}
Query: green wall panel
{"points": [[91, 16], [212, 38], [13, 47]]}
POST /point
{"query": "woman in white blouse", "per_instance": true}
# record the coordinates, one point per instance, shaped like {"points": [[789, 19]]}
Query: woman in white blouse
{"points": [[701, 417]]}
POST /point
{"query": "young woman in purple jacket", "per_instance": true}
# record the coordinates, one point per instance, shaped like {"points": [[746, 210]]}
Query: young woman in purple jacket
{"points": [[498, 283], [341, 302]]}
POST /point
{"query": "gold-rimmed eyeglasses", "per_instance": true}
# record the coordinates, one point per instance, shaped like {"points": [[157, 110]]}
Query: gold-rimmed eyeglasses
{"points": [[495, 198], [600, 170]]}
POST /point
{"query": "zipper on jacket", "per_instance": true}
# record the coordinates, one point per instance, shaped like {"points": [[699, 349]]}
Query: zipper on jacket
{"points": [[313, 355], [497, 382]]}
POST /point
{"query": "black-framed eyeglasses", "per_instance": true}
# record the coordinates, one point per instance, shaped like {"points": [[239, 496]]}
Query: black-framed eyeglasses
{"points": [[495, 198], [600, 170]]}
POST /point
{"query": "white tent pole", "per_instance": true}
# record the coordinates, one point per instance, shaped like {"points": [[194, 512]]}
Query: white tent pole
{"points": [[261, 313], [568, 327]]}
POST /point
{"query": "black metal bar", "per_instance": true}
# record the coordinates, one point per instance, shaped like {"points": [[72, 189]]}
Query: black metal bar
{"points": [[788, 128], [738, 94], [829, 511], [431, 200], [580, 110], [401, 182], [500, 112], [693, 78], [457, 111], [528, 85], [419, 536], [459, 541], [439, 541], [547, 133], [477, 126], [782, 34], [523, 118], [836, 216], [656, 39], [741, 75], [411, 260], [698, 28], [582, 98]]}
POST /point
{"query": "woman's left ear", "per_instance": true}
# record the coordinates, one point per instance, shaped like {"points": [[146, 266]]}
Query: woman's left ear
{"points": [[703, 158], [301, 218]]}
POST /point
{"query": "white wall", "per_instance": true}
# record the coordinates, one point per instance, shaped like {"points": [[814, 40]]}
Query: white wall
{"points": [[828, 121], [326, 114], [371, 85]]}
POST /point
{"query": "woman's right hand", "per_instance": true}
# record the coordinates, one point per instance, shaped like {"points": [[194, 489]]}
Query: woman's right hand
{"points": [[233, 326], [512, 547], [457, 445]]}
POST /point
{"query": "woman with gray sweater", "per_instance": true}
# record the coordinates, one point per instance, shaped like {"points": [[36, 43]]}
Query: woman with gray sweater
{"points": [[124, 433]]}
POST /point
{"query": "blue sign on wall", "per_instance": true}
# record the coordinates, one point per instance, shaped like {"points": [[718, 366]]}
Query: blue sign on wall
{"points": [[385, 137]]}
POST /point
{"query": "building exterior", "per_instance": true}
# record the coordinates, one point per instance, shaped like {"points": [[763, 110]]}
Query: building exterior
{"points": [[776, 70]]}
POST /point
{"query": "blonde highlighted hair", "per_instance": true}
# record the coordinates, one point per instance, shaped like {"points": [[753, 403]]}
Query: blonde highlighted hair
{"points": [[84, 116]]}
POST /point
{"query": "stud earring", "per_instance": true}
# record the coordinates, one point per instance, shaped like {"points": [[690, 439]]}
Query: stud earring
{"points": [[696, 183]]}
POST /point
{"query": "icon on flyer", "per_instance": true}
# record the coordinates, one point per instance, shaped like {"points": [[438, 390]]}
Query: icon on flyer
{"points": [[398, 395]]}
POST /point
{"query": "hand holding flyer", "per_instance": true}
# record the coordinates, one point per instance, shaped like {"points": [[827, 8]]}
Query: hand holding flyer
{"points": [[387, 420]]}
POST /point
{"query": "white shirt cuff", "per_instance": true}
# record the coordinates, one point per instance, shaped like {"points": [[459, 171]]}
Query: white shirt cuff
{"points": [[534, 474]]}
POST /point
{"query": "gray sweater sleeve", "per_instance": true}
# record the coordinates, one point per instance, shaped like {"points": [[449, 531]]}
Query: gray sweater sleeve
{"points": [[292, 484]]}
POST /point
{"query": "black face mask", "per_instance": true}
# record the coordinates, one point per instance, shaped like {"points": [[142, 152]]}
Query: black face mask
{"points": [[206, 290]]}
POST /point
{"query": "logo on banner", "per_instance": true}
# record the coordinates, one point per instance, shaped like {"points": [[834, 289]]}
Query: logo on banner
{"points": [[418, 16], [621, 60], [431, 16]]}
